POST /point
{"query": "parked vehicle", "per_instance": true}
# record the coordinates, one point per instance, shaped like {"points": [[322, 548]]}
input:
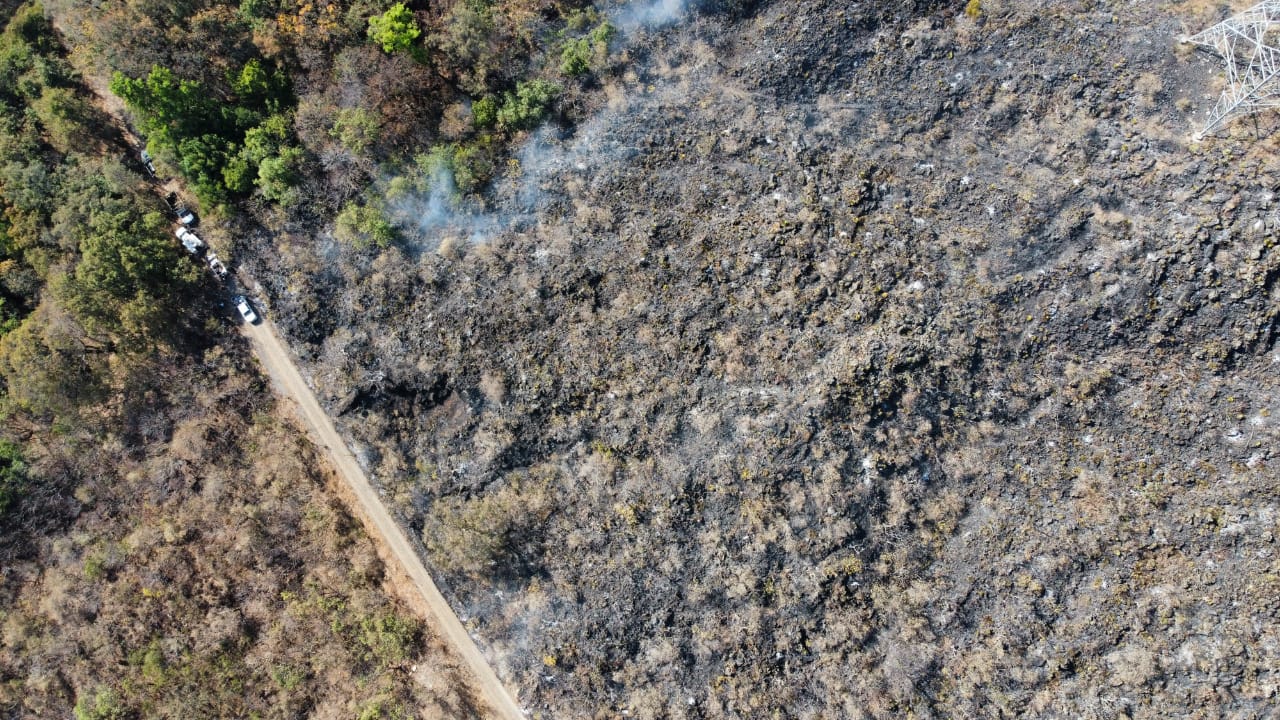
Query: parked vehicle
{"points": [[216, 266], [185, 216], [246, 312], [189, 240], [146, 162]]}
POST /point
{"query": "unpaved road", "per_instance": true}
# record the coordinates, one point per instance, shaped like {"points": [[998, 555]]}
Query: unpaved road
{"points": [[385, 531], [386, 534]]}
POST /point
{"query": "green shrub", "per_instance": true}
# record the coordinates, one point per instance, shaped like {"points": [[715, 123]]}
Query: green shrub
{"points": [[95, 567], [362, 226], [603, 33], [575, 57], [484, 112], [469, 166], [579, 55], [356, 128], [528, 105], [399, 187], [579, 20], [473, 165], [153, 664], [436, 162], [387, 639], [382, 708], [103, 705], [288, 677]]}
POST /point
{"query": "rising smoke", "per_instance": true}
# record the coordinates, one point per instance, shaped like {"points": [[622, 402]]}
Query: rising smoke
{"points": [[548, 153], [635, 16]]}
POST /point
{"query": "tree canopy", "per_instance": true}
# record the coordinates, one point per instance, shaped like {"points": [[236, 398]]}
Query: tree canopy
{"points": [[394, 30]]}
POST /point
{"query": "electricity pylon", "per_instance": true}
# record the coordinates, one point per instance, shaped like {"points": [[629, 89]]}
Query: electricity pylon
{"points": [[1248, 43]]}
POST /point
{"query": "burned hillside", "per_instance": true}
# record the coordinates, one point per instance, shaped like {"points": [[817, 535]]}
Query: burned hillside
{"points": [[843, 362]]}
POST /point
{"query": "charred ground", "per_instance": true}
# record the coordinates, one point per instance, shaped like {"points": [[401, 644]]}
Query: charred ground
{"points": [[846, 362]]}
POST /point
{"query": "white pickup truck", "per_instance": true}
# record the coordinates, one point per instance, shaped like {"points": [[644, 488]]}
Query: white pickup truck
{"points": [[246, 312], [189, 240], [216, 265]]}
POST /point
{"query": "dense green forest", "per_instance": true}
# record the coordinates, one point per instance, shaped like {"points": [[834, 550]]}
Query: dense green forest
{"points": [[95, 293]]}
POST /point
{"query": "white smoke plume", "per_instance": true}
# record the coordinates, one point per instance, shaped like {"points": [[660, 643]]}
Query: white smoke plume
{"points": [[652, 14], [440, 213]]}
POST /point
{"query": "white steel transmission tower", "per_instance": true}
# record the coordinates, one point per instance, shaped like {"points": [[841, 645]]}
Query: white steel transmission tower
{"points": [[1249, 44]]}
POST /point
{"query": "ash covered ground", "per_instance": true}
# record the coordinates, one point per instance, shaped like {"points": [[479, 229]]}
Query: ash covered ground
{"points": [[849, 360]]}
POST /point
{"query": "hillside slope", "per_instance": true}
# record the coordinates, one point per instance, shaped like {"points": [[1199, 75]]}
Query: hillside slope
{"points": [[847, 361]]}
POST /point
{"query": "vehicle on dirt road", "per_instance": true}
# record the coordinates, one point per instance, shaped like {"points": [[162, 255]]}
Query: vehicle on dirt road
{"points": [[147, 163], [246, 312], [180, 209], [216, 266], [189, 240]]}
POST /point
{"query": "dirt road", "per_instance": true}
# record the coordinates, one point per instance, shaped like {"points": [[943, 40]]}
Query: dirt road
{"points": [[385, 531]]}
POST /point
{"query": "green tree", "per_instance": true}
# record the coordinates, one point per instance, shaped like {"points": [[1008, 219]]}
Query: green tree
{"points": [[129, 276], [258, 89], [120, 261], [238, 174], [46, 364], [63, 115], [182, 117], [394, 30], [278, 176], [202, 159], [264, 141], [170, 109], [29, 55]]}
